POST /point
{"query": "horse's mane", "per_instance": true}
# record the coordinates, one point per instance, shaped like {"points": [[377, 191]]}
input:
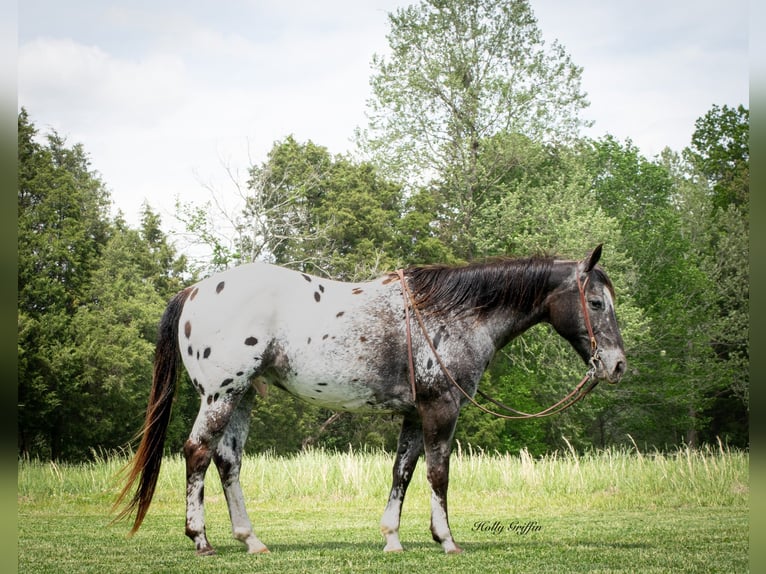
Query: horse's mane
{"points": [[481, 287]]}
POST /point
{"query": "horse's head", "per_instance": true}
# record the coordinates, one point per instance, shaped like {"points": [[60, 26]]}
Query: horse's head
{"points": [[581, 309]]}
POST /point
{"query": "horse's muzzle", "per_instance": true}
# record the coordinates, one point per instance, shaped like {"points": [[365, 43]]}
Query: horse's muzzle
{"points": [[610, 365]]}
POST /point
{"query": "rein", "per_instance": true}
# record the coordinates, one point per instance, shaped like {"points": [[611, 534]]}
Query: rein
{"points": [[579, 392]]}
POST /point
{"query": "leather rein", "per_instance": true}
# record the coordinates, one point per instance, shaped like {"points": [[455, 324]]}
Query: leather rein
{"points": [[579, 392]]}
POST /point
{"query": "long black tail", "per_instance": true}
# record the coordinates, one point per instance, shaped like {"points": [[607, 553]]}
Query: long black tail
{"points": [[145, 466]]}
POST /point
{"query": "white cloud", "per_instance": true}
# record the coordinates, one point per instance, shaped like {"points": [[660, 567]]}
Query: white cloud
{"points": [[162, 94], [652, 68], [88, 86]]}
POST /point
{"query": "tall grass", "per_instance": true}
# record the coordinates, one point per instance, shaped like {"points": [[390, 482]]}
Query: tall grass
{"points": [[611, 479]]}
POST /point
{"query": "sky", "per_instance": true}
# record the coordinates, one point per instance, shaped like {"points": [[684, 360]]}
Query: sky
{"points": [[172, 99]]}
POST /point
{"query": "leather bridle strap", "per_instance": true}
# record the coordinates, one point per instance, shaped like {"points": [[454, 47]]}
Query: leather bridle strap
{"points": [[584, 304]]}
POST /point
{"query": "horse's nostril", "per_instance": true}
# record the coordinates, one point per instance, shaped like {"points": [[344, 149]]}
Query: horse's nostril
{"points": [[619, 368]]}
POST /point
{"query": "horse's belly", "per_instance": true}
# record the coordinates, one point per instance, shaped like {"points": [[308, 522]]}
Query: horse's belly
{"points": [[343, 395]]}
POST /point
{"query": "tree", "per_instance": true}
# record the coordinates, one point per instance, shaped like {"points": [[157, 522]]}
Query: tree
{"points": [[460, 72], [720, 151], [331, 215], [544, 204], [62, 208], [665, 220], [718, 166], [91, 292]]}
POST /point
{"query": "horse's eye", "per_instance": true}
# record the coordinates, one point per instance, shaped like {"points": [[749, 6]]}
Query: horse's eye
{"points": [[596, 304]]}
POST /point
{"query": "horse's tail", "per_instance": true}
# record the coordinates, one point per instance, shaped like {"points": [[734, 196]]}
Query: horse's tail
{"points": [[145, 466]]}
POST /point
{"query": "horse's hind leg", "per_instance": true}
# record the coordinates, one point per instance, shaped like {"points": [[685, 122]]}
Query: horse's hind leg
{"points": [[209, 427], [408, 451], [228, 460]]}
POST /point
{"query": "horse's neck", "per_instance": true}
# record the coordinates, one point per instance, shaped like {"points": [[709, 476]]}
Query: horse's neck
{"points": [[507, 324]]}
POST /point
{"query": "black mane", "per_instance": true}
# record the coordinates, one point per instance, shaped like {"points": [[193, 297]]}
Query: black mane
{"points": [[481, 287]]}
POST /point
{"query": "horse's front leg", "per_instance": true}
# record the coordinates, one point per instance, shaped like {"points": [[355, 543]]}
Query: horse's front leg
{"points": [[408, 451], [439, 420]]}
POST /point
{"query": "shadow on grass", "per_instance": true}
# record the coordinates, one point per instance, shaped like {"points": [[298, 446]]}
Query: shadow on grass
{"points": [[419, 547]]}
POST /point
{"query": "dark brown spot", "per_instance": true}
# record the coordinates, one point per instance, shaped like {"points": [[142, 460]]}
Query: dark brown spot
{"points": [[325, 337], [219, 287], [215, 398], [226, 382], [317, 390], [321, 288], [340, 314], [356, 290], [240, 373], [190, 350], [363, 339], [210, 399], [206, 353], [187, 329], [429, 364], [193, 294], [317, 296], [306, 277], [437, 339], [251, 341], [388, 280], [309, 341], [322, 384]]}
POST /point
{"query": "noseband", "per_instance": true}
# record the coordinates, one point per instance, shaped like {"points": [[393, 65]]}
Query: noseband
{"points": [[579, 392]]}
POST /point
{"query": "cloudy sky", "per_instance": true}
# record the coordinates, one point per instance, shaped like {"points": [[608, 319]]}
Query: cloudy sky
{"points": [[165, 96]]}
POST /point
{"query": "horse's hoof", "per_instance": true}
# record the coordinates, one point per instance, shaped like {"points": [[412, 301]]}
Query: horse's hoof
{"points": [[261, 550], [209, 551]]}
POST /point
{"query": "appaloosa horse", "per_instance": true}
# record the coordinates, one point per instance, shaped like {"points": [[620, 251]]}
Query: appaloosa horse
{"points": [[413, 343]]}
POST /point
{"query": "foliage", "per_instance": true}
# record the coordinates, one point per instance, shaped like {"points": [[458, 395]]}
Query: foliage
{"points": [[90, 293], [460, 73], [720, 152]]}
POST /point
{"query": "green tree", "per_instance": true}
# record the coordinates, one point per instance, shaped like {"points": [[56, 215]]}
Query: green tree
{"points": [[330, 215], [716, 169], [720, 151], [544, 205], [675, 374], [460, 72], [91, 292], [115, 331], [62, 209]]}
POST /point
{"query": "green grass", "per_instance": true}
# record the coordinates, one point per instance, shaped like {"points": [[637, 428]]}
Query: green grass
{"points": [[606, 511]]}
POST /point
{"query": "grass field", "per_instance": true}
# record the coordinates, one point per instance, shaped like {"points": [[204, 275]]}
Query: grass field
{"points": [[606, 511]]}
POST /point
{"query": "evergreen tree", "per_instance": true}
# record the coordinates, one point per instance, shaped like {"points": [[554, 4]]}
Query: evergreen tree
{"points": [[62, 211]]}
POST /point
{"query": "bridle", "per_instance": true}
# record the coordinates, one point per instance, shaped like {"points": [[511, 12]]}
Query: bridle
{"points": [[579, 392]]}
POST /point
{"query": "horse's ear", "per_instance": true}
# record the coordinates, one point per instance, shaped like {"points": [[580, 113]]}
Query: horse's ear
{"points": [[592, 259]]}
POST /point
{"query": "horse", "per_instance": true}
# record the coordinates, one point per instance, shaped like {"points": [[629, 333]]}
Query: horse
{"points": [[412, 343]]}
